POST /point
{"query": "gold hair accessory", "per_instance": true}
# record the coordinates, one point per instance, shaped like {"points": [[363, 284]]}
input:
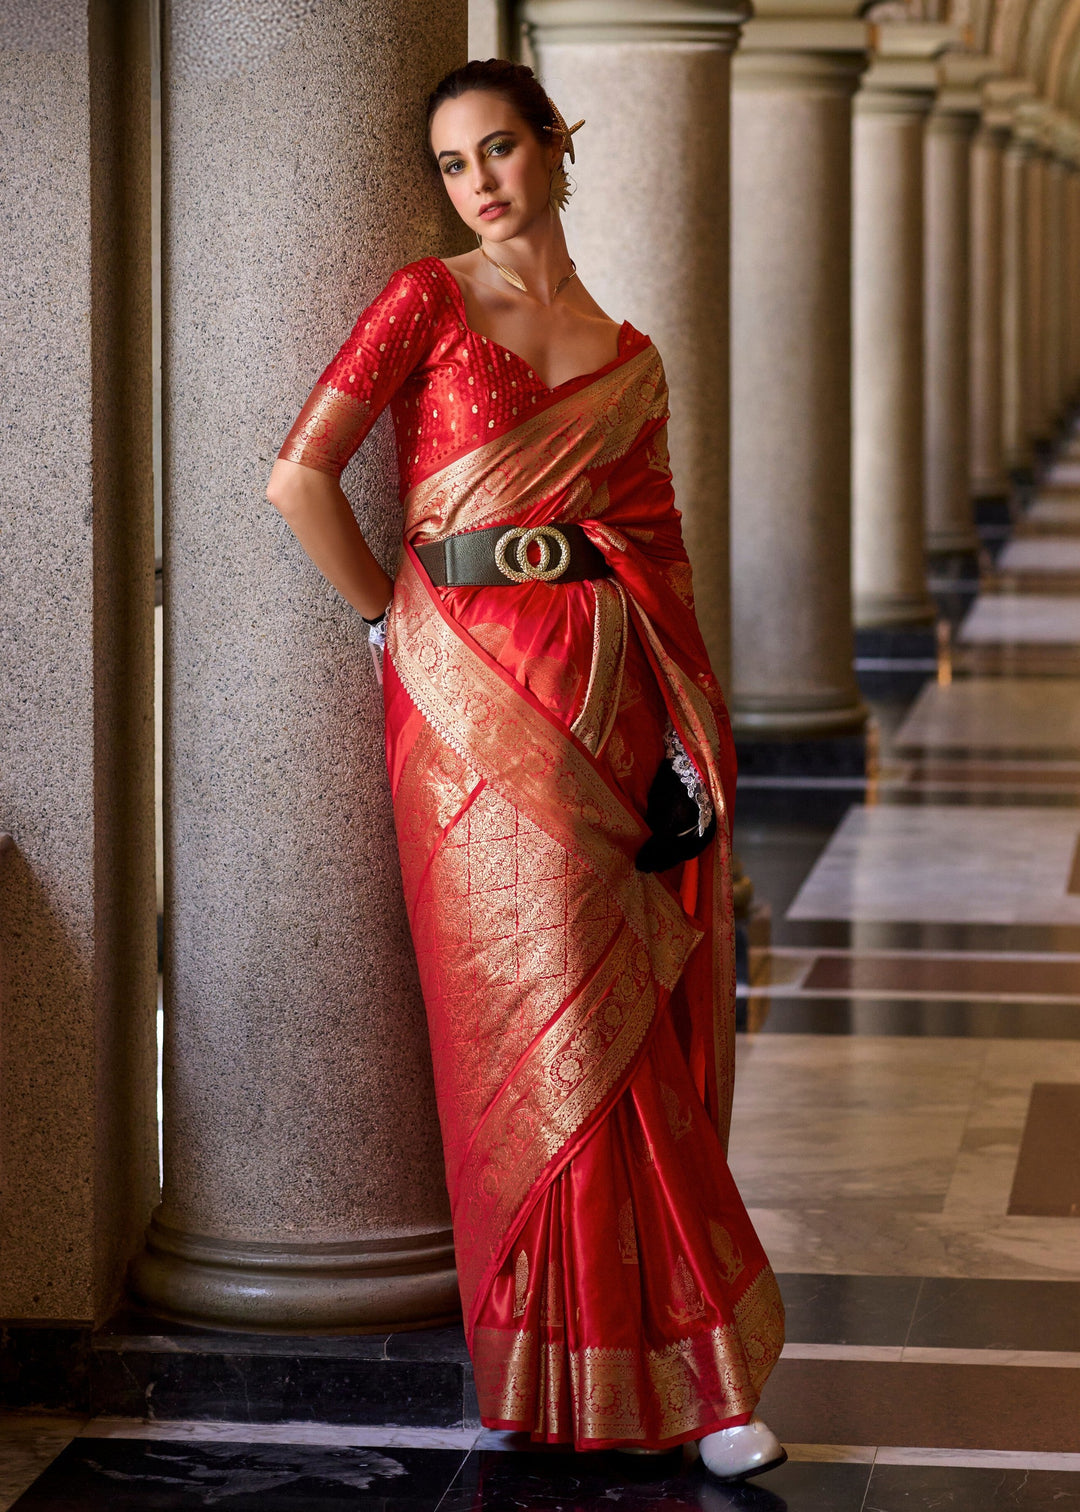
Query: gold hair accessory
{"points": [[559, 192]]}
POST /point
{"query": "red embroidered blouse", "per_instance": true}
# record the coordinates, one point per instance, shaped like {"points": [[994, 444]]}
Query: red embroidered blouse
{"points": [[448, 388]]}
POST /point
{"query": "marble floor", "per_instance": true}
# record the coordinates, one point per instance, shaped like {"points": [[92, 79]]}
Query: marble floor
{"points": [[1018, 619], [1041, 554], [906, 1135]]}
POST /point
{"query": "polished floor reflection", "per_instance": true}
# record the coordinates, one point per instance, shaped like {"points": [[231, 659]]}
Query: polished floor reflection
{"points": [[906, 1132]]}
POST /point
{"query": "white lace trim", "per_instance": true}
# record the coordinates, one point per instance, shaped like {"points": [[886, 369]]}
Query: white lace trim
{"points": [[377, 632], [687, 774]]}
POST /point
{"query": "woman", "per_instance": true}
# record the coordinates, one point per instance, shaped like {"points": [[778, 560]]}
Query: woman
{"points": [[557, 746]]}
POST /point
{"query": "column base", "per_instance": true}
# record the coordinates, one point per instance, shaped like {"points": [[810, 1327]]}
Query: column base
{"points": [[990, 487], [953, 543], [757, 719], [359, 1286], [893, 612]]}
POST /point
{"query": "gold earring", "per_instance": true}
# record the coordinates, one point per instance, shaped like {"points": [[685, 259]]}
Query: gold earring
{"points": [[560, 191]]}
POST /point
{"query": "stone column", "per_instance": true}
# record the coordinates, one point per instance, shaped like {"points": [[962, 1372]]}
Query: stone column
{"points": [[654, 81], [1015, 310], [950, 516], [792, 633], [1053, 305], [989, 479], [303, 1171], [888, 532], [78, 1145], [1035, 417], [1073, 274]]}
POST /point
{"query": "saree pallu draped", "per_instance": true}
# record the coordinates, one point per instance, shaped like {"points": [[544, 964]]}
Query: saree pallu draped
{"points": [[581, 1012]]}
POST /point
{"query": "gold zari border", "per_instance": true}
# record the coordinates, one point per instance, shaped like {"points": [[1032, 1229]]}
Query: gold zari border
{"points": [[327, 431], [546, 454], [601, 702], [650, 1396]]}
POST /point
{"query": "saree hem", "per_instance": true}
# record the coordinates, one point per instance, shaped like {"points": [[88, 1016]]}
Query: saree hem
{"points": [[713, 1425]]}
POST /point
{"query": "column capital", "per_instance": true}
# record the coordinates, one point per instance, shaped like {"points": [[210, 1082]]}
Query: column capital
{"points": [[778, 53], [831, 34], [1064, 137], [717, 21], [1032, 124], [959, 106], [1002, 98], [1011, 100], [903, 75]]}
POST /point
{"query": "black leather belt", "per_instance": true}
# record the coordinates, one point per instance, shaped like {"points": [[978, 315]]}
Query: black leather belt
{"points": [[513, 554]]}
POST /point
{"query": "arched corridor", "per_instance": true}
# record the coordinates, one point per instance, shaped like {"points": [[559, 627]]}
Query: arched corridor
{"points": [[853, 232]]}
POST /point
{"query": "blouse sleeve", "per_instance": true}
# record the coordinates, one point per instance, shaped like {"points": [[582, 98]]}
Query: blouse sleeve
{"points": [[391, 337]]}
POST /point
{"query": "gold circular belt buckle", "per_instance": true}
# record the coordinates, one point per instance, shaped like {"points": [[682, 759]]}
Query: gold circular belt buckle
{"points": [[526, 571]]}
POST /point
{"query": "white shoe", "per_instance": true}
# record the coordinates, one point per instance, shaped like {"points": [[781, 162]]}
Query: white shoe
{"points": [[732, 1454]]}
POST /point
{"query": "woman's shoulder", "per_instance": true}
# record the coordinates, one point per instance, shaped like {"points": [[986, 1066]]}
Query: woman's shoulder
{"points": [[416, 292], [419, 274]]}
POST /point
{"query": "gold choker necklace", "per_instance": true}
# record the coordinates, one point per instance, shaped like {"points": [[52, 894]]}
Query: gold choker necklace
{"points": [[516, 279]]}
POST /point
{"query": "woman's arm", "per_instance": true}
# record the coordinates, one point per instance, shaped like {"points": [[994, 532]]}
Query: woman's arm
{"points": [[320, 517]]}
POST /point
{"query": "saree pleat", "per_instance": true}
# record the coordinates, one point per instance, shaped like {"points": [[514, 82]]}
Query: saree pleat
{"points": [[581, 1012]]}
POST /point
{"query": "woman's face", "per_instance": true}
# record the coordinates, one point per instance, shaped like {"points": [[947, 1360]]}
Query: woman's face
{"points": [[495, 170]]}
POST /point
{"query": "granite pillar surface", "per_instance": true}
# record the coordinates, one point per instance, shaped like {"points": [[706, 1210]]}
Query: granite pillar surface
{"points": [[649, 225], [1072, 279], [888, 547], [950, 516], [1035, 406], [304, 1183], [1015, 310], [792, 633], [78, 1147], [1053, 302], [989, 478]]}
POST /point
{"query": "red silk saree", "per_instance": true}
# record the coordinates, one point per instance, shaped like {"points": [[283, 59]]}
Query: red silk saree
{"points": [[581, 1012]]}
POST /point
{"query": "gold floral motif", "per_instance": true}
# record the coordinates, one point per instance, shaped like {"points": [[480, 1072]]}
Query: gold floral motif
{"points": [[594, 720], [504, 1367], [521, 1284], [727, 1252], [328, 429], [525, 756], [680, 1119], [628, 1249], [681, 578], [501, 900], [689, 1303], [759, 1317], [657, 455]]}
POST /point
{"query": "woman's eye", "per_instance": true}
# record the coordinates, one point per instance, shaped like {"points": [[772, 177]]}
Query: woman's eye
{"points": [[453, 166], [501, 148]]}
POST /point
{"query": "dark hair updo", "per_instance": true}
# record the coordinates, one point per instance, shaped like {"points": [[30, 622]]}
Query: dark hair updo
{"points": [[516, 83]]}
